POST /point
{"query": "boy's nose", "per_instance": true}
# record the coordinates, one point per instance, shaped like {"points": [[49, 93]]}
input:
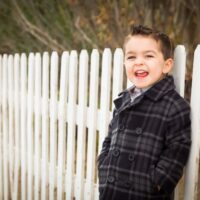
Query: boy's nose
{"points": [[139, 62]]}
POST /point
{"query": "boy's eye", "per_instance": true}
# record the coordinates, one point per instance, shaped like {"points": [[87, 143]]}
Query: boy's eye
{"points": [[149, 56], [131, 57]]}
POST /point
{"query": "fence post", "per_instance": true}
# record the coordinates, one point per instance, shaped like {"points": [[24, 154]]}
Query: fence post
{"points": [[191, 180]]}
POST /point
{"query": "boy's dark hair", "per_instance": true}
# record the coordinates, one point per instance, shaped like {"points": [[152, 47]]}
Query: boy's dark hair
{"points": [[165, 42]]}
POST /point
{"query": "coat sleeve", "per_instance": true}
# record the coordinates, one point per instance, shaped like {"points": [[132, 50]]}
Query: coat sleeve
{"points": [[106, 143], [169, 168]]}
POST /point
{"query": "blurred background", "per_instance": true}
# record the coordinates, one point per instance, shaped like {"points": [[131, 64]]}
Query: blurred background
{"points": [[46, 25]]}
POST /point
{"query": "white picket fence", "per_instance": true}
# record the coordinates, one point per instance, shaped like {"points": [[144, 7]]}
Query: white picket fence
{"points": [[54, 115]]}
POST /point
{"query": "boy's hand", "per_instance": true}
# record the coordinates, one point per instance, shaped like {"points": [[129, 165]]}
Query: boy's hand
{"points": [[158, 187]]}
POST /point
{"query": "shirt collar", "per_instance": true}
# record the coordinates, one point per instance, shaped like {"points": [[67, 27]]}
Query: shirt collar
{"points": [[156, 91]]}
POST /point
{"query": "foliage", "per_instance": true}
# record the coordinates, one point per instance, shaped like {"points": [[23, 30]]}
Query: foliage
{"points": [[74, 24], [46, 25]]}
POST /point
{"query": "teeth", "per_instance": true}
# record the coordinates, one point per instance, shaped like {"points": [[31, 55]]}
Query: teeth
{"points": [[141, 73]]}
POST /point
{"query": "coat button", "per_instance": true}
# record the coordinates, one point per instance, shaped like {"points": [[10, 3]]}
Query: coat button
{"points": [[138, 131], [128, 184], [121, 127], [131, 157], [116, 152], [111, 179], [152, 166]]}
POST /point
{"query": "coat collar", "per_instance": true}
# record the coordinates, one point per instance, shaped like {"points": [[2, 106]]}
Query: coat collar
{"points": [[161, 88], [154, 93]]}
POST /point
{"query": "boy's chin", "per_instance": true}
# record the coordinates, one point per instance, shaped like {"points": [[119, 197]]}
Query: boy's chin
{"points": [[142, 86]]}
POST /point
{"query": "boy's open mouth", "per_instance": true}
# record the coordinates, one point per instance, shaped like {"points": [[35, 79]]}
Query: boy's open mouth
{"points": [[141, 73]]}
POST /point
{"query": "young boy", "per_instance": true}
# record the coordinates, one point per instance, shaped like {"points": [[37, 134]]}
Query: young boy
{"points": [[148, 142]]}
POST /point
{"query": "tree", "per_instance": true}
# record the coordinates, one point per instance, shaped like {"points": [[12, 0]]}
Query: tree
{"points": [[46, 25]]}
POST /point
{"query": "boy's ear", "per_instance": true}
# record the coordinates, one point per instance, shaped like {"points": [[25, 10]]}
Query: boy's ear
{"points": [[168, 65]]}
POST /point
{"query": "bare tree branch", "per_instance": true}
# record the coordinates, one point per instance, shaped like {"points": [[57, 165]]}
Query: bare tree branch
{"points": [[87, 39], [37, 32]]}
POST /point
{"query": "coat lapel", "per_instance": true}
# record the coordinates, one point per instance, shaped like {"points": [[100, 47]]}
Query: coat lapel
{"points": [[161, 88], [154, 93]]}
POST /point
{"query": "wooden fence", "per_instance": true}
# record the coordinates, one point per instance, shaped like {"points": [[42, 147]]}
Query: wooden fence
{"points": [[54, 115]]}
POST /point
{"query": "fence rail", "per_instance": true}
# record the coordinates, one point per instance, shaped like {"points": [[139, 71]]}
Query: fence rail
{"points": [[54, 115]]}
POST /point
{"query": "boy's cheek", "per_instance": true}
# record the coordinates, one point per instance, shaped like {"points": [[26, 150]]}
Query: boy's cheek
{"points": [[128, 67], [127, 64], [129, 72]]}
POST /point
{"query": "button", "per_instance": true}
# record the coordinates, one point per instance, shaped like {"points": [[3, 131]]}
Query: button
{"points": [[121, 127], [116, 152], [128, 184], [131, 157], [153, 166], [138, 131], [111, 179]]}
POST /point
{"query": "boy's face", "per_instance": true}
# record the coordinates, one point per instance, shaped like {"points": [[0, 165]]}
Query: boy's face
{"points": [[144, 62]]}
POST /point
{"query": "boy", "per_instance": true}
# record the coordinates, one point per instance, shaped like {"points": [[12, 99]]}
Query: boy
{"points": [[148, 142]]}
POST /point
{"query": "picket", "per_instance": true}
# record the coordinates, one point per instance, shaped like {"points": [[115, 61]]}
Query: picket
{"points": [[16, 125], [179, 68], [105, 95], [23, 122], [92, 125], [62, 123], [53, 123], [178, 72], [81, 138], [45, 126], [71, 125], [118, 69], [30, 106], [37, 126], [51, 131], [1, 132], [191, 183], [10, 121], [5, 128]]}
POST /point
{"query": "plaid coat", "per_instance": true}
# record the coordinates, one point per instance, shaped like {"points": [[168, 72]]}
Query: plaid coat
{"points": [[147, 145]]}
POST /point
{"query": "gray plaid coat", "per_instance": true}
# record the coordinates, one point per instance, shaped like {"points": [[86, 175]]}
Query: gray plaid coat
{"points": [[147, 145]]}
